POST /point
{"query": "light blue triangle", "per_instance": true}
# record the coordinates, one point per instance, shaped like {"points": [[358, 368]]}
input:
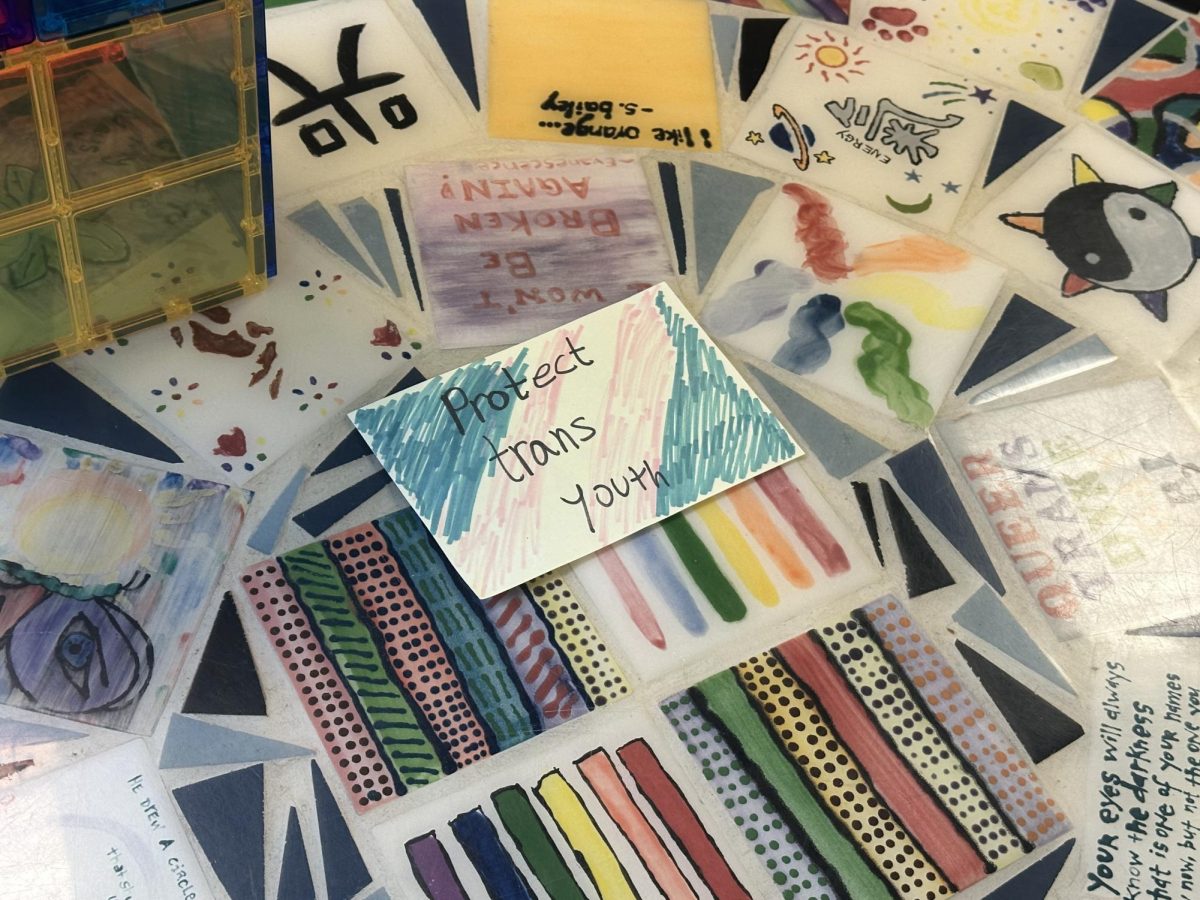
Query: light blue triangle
{"points": [[839, 448], [15, 734], [380, 894], [725, 35], [1088, 354], [720, 199], [191, 742], [986, 617], [317, 221], [266, 535]]}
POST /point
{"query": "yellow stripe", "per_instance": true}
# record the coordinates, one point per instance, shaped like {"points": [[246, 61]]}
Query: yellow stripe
{"points": [[577, 827], [795, 718], [738, 552]]}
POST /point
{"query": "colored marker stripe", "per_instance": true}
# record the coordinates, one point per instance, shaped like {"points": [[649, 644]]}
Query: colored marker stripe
{"points": [[655, 560], [705, 572], [932, 829], [476, 654], [669, 804], [631, 597], [319, 588], [477, 836], [738, 552], [898, 711], [795, 510], [542, 671], [330, 706], [724, 702], [794, 718], [433, 870], [762, 528], [414, 650], [535, 844], [590, 846], [600, 774], [1007, 771], [602, 679]]}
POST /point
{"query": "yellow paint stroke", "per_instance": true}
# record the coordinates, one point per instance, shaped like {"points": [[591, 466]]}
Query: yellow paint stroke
{"points": [[916, 253], [930, 304], [83, 523], [578, 827], [762, 528], [1002, 17], [738, 551], [1098, 110]]}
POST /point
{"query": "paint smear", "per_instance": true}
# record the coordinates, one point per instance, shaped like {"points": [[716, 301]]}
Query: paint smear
{"points": [[817, 229], [795, 510], [884, 364], [433, 869], [534, 843], [758, 522], [738, 552], [930, 304], [807, 348], [652, 555], [913, 253], [760, 298], [699, 562], [631, 596]]}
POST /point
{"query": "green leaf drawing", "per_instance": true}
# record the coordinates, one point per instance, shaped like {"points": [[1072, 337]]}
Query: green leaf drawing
{"points": [[15, 246], [32, 267], [18, 185], [100, 243]]}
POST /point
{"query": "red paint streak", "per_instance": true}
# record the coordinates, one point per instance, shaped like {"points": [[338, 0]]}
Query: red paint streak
{"points": [[273, 388], [924, 819], [668, 802], [387, 335], [800, 516], [824, 244], [631, 596]]}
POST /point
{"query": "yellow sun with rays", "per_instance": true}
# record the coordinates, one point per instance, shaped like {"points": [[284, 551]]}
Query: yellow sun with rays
{"points": [[831, 56]]}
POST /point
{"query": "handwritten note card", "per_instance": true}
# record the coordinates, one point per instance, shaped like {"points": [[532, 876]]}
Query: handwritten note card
{"points": [[511, 248], [552, 449], [596, 72], [1143, 823], [101, 828]]}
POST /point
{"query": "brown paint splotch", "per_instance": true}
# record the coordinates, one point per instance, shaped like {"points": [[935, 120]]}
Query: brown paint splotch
{"points": [[231, 444], [231, 344], [387, 335], [266, 362], [816, 228]]}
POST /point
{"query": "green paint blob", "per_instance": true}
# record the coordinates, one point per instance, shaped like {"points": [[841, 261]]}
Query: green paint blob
{"points": [[884, 364]]}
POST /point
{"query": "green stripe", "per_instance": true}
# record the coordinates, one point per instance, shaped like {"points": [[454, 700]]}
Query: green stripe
{"points": [[388, 714], [704, 570], [721, 696], [532, 839], [478, 655]]}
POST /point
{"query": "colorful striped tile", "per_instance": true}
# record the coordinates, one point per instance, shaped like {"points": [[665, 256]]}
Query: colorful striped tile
{"points": [[534, 843]]}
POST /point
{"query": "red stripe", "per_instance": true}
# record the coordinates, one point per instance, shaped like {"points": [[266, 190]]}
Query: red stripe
{"points": [[677, 814], [920, 814], [799, 515]]}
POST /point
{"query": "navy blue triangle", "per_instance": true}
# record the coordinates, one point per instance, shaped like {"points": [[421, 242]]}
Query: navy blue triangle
{"points": [[670, 187], [451, 25], [923, 571], [320, 518], [758, 37], [866, 506], [295, 877], [352, 446], [919, 471], [1042, 728], [1130, 26], [345, 872], [1035, 882], [226, 815], [38, 397], [1021, 132], [1022, 328], [226, 682]]}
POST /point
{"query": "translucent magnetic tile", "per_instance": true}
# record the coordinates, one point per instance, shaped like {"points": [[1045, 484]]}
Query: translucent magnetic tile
{"points": [[60, 18], [23, 181], [148, 101], [185, 240], [34, 310]]}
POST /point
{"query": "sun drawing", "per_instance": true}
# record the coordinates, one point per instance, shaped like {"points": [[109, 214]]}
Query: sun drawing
{"points": [[831, 55]]}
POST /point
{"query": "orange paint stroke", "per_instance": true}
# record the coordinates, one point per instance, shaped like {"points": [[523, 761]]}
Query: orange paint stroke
{"points": [[824, 244], [757, 520], [914, 253]]}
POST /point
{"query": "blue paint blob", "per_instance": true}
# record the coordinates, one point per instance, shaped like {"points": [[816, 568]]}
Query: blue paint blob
{"points": [[807, 347]]}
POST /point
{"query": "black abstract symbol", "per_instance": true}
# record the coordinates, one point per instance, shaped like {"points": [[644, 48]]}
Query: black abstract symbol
{"points": [[324, 136]]}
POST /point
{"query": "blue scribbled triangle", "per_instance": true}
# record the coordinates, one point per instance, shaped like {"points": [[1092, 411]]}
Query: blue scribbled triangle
{"points": [[839, 448], [226, 815], [986, 617], [919, 471], [1023, 328], [1021, 132], [345, 872], [1130, 26], [1035, 882]]}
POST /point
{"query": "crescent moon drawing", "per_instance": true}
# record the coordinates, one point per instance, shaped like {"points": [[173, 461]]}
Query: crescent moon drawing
{"points": [[910, 208], [801, 157]]}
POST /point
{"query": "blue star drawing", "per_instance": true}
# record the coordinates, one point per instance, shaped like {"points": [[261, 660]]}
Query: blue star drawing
{"points": [[950, 187], [912, 175], [983, 95]]}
